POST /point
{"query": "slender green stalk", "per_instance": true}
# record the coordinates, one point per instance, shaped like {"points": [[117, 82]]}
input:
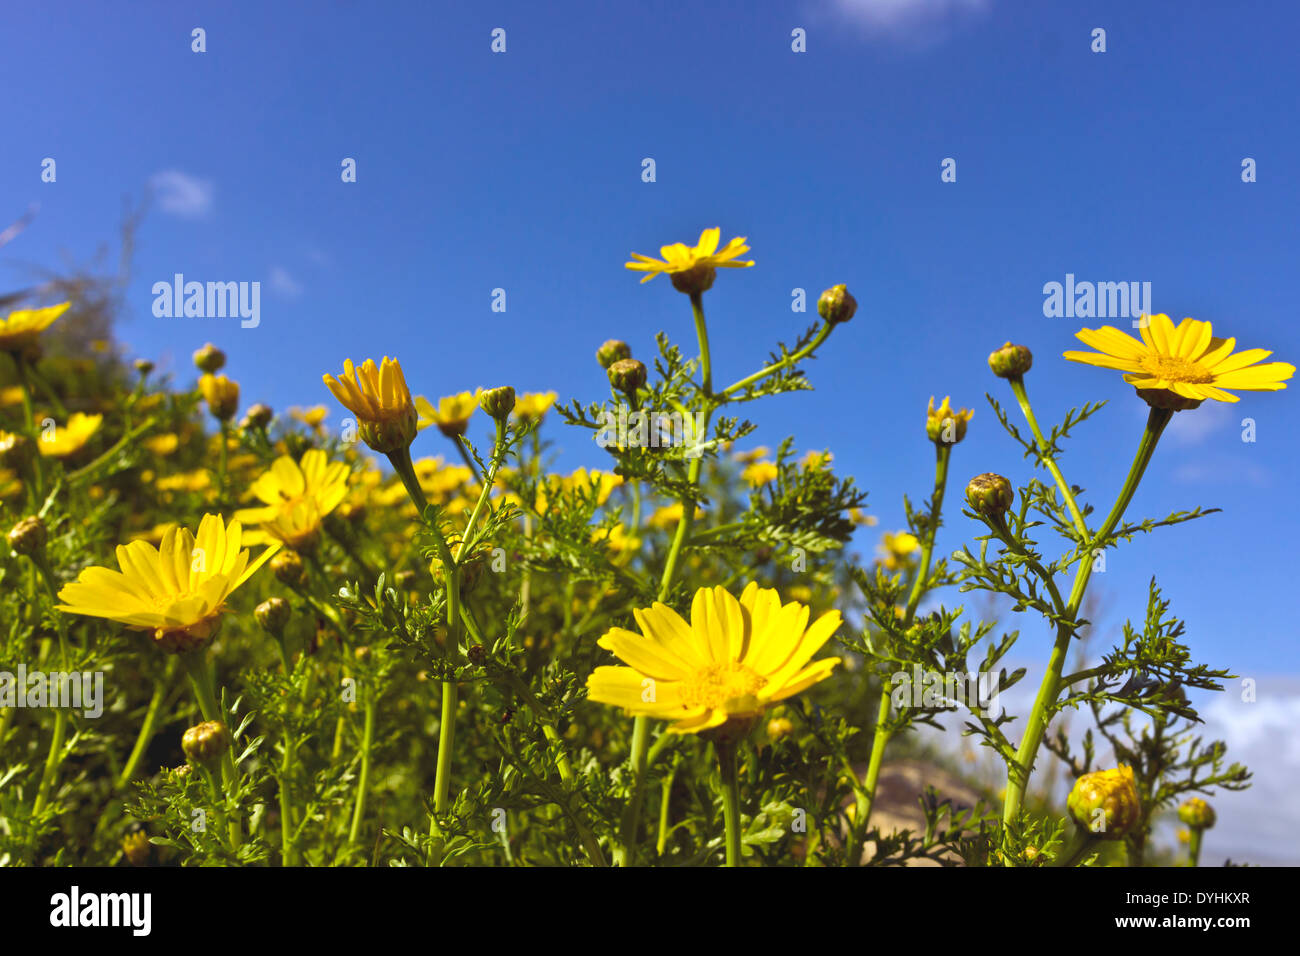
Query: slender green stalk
{"points": [[664, 802], [1045, 453], [729, 786], [624, 853], [1048, 691], [1083, 844], [794, 357], [147, 730], [866, 796], [1194, 836], [199, 670], [363, 781]]}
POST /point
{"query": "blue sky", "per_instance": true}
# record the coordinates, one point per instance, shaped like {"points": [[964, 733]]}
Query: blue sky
{"points": [[522, 171]]}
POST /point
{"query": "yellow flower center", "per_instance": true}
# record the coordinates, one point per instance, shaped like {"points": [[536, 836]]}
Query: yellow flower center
{"points": [[718, 685], [1171, 368]]}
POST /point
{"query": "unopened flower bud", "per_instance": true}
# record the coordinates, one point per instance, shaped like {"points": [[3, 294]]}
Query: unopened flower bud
{"points": [[1197, 814], [627, 375], [143, 366], [391, 434], [210, 359], [945, 425], [222, 396], [273, 614], [15, 450], [28, 536], [477, 654], [836, 305], [1011, 361], [287, 568], [779, 727], [206, 743], [1106, 803], [611, 352], [257, 416], [498, 402], [989, 494], [136, 847]]}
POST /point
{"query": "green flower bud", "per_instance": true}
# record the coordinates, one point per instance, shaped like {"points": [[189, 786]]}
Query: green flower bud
{"points": [[273, 614], [989, 494], [1197, 814], [287, 568], [836, 305], [1106, 803], [498, 402], [28, 536], [206, 743], [392, 434], [1011, 361], [627, 375], [611, 352], [143, 366], [210, 359]]}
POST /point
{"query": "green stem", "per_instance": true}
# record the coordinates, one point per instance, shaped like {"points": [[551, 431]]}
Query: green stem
{"points": [[1194, 846], [147, 730], [363, 781], [1045, 455], [729, 786], [1019, 771], [664, 801], [822, 334], [199, 670], [866, 797]]}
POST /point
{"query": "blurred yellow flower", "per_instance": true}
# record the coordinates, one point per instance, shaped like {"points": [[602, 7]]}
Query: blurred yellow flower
{"points": [[296, 496], [680, 257], [858, 517], [754, 454], [195, 480], [164, 444], [311, 417], [667, 516], [816, 460], [61, 442], [177, 590], [760, 473], [24, 326], [732, 661], [452, 414], [898, 549], [534, 405], [1185, 360]]}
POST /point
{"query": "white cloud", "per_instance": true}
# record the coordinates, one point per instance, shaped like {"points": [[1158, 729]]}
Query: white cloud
{"points": [[1195, 426], [282, 282], [181, 194], [880, 16]]}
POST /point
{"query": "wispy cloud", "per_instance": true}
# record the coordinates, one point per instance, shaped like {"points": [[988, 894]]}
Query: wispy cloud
{"points": [[904, 16], [1194, 427], [183, 195], [283, 283]]}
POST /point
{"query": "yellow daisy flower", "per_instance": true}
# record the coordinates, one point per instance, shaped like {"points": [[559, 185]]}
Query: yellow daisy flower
{"points": [[754, 454], [378, 396], [311, 417], [732, 661], [24, 327], [1181, 366], [296, 497], [164, 444], [452, 414], [71, 438], [946, 424], [691, 267], [667, 516], [221, 394], [534, 405], [177, 590]]}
